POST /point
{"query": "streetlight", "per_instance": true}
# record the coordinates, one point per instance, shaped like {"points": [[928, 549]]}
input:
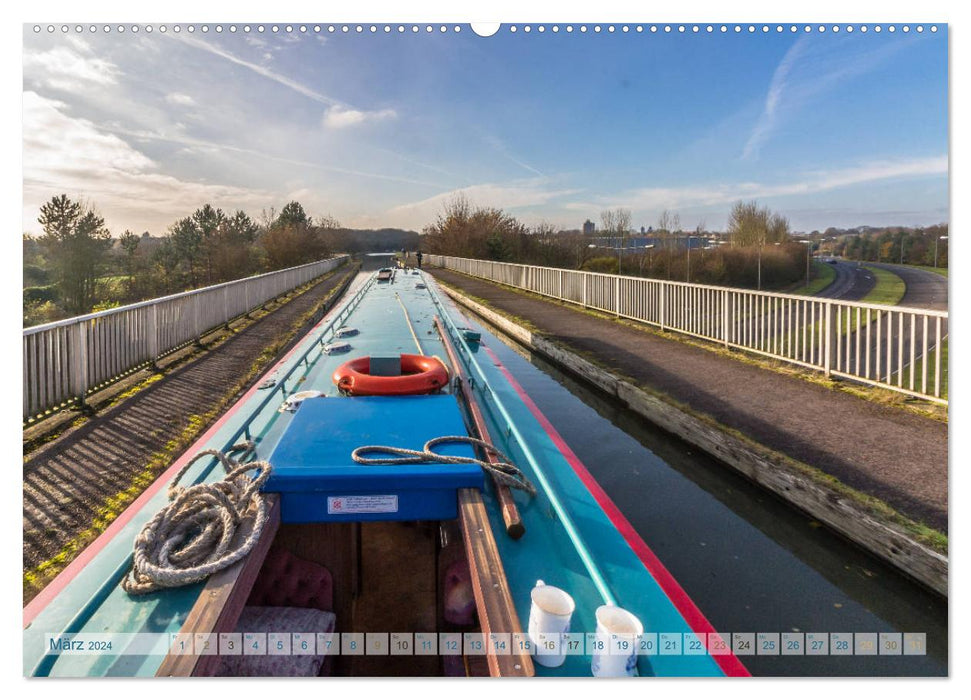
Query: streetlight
{"points": [[939, 238], [687, 272], [809, 249], [761, 243]]}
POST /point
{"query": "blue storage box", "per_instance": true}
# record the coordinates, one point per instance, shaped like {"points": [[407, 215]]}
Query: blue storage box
{"points": [[319, 482]]}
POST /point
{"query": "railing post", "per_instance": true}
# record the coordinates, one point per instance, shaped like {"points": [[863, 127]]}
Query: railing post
{"points": [[559, 291], [583, 277], [196, 320], [153, 344], [828, 335], [82, 361], [726, 316], [617, 295], [663, 314]]}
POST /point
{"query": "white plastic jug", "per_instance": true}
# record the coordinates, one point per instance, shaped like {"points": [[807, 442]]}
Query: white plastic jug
{"points": [[616, 626], [549, 614]]}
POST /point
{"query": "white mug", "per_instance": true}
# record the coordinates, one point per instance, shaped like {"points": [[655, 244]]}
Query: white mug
{"points": [[549, 615], [615, 628]]}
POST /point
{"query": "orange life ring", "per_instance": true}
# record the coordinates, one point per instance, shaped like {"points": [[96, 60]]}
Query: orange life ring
{"points": [[419, 375]]}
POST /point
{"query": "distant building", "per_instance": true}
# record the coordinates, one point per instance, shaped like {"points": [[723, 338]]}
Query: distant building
{"points": [[589, 227]]}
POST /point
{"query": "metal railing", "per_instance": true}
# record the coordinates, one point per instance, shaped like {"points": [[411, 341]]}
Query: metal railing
{"points": [[65, 360], [894, 347]]}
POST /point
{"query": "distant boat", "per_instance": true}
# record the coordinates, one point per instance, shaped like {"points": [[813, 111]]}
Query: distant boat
{"points": [[430, 566]]}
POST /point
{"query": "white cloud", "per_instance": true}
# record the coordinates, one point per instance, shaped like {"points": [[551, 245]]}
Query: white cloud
{"points": [[260, 70], [777, 87], [339, 117], [514, 195], [63, 68], [811, 66], [655, 198], [64, 154], [178, 98]]}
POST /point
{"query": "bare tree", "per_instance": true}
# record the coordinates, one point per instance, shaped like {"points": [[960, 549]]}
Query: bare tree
{"points": [[617, 222], [748, 224]]}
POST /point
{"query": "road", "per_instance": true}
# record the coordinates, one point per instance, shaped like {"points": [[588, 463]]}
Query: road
{"points": [[925, 290], [852, 282]]}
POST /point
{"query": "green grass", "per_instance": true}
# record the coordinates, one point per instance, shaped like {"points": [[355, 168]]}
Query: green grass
{"points": [[931, 370], [824, 276], [889, 289], [942, 271]]}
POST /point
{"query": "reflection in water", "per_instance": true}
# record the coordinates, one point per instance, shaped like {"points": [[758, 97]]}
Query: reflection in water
{"points": [[750, 562]]}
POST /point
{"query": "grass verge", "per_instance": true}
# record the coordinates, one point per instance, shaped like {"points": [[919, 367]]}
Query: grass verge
{"points": [[825, 275], [889, 288]]}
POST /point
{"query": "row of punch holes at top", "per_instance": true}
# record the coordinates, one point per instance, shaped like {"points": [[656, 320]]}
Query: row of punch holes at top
{"points": [[512, 28]]}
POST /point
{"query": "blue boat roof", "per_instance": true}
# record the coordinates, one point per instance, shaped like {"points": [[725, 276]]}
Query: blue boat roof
{"points": [[322, 435]]}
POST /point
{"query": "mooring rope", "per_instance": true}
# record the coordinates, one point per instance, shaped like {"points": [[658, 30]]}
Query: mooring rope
{"points": [[504, 471], [411, 328], [191, 538]]}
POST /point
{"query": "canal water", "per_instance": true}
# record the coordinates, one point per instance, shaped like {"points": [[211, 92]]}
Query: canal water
{"points": [[750, 562]]}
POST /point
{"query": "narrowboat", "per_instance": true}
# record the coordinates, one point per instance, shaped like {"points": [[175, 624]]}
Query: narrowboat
{"points": [[403, 508]]}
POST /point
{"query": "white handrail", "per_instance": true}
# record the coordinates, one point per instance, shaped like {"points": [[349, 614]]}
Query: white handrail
{"points": [[65, 360], [894, 347]]}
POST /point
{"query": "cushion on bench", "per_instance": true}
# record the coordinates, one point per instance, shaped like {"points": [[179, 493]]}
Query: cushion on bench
{"points": [[286, 580], [278, 619]]}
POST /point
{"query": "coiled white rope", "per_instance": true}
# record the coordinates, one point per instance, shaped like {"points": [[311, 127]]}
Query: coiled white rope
{"points": [[504, 471], [191, 538]]}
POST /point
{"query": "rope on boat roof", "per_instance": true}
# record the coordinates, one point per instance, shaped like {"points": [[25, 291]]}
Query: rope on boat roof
{"points": [[410, 327], [504, 471], [192, 536]]}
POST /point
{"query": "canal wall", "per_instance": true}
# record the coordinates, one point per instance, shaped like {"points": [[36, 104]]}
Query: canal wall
{"points": [[786, 478]]}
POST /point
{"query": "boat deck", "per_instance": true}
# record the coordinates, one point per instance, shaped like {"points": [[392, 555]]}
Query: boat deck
{"points": [[575, 537]]}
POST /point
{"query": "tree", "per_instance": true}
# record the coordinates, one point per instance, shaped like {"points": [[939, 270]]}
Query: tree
{"points": [[778, 229], [292, 239], [293, 215], [166, 260], [233, 253], [748, 224], [129, 244], [187, 241], [207, 221], [76, 242], [616, 223]]}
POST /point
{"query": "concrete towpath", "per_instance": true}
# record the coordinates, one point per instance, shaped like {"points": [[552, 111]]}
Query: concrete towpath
{"points": [[887, 452]]}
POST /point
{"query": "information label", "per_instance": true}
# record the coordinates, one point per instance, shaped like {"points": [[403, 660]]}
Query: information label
{"points": [[362, 504]]}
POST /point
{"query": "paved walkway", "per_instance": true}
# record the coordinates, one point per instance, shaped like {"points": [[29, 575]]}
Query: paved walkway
{"points": [[67, 481], [892, 454]]}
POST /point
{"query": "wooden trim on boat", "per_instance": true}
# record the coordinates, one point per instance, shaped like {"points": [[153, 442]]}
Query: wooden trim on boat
{"points": [[510, 512], [497, 612], [222, 599]]}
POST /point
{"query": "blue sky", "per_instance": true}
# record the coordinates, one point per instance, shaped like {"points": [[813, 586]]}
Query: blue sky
{"points": [[381, 129]]}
